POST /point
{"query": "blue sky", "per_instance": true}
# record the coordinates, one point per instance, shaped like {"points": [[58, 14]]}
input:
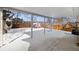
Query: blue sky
{"points": [[27, 17]]}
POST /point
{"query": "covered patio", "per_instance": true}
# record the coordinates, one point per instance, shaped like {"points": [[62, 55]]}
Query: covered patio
{"points": [[40, 35]]}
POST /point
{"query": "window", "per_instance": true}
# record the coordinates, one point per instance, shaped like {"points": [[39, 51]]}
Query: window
{"points": [[38, 21], [48, 22]]}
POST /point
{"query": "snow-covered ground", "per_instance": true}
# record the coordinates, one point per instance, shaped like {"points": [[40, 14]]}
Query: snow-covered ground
{"points": [[23, 30], [39, 37], [14, 39]]}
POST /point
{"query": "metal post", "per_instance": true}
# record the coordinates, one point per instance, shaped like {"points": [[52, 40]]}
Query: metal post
{"points": [[44, 26], [32, 27]]}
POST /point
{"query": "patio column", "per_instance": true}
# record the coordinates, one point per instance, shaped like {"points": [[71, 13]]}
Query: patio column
{"points": [[1, 28], [32, 26], [44, 25]]}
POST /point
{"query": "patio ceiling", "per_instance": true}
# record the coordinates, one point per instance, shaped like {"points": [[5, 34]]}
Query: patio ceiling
{"points": [[51, 11]]}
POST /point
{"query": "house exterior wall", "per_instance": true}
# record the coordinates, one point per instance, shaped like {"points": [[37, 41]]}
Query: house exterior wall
{"points": [[1, 31], [77, 18]]}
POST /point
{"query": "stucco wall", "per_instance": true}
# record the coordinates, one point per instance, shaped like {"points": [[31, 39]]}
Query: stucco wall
{"points": [[0, 28]]}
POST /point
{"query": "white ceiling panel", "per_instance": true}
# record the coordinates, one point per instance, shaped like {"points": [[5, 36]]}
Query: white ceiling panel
{"points": [[50, 11]]}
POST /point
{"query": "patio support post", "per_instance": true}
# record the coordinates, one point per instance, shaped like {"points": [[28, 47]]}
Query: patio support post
{"points": [[44, 26], [32, 26], [1, 27]]}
